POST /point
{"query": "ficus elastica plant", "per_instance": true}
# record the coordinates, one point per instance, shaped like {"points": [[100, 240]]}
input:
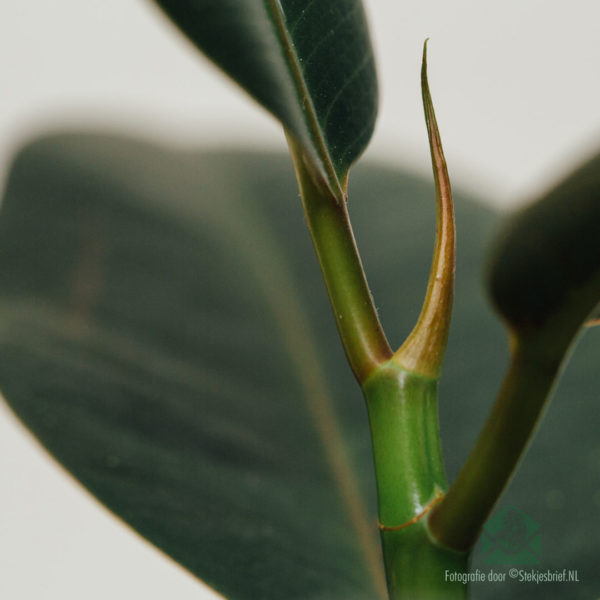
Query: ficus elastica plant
{"points": [[162, 339]]}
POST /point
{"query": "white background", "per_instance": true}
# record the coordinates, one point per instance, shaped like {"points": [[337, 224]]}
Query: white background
{"points": [[517, 93]]}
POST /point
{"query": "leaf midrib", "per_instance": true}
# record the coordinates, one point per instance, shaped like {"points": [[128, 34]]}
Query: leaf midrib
{"points": [[308, 107]]}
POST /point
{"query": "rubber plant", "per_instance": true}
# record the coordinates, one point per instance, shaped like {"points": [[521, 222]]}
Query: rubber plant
{"points": [[139, 440]]}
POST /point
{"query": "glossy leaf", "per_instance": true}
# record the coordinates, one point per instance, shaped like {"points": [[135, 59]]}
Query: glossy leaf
{"points": [[309, 63], [165, 333]]}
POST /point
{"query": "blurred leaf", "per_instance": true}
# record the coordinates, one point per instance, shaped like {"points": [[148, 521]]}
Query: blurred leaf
{"points": [[146, 335], [594, 319], [544, 279], [545, 271], [309, 63]]}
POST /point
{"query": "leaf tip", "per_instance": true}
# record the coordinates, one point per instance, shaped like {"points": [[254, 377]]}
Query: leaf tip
{"points": [[424, 349]]}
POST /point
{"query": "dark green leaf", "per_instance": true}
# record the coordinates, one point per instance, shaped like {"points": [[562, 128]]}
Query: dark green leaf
{"points": [[178, 355], [309, 63], [545, 271]]}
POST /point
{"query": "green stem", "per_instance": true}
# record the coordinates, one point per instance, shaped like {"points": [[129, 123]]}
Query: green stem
{"points": [[400, 389], [419, 569], [402, 410], [403, 416], [327, 218], [457, 521]]}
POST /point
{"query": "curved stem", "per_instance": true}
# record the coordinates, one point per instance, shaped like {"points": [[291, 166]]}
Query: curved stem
{"points": [[328, 221], [458, 519]]}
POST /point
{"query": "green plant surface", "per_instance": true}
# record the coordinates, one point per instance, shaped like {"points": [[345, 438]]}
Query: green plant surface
{"points": [[165, 334], [545, 272], [309, 63], [545, 282], [328, 222], [173, 369], [409, 469]]}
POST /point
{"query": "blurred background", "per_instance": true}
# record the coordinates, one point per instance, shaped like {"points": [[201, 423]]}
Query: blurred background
{"points": [[517, 102]]}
